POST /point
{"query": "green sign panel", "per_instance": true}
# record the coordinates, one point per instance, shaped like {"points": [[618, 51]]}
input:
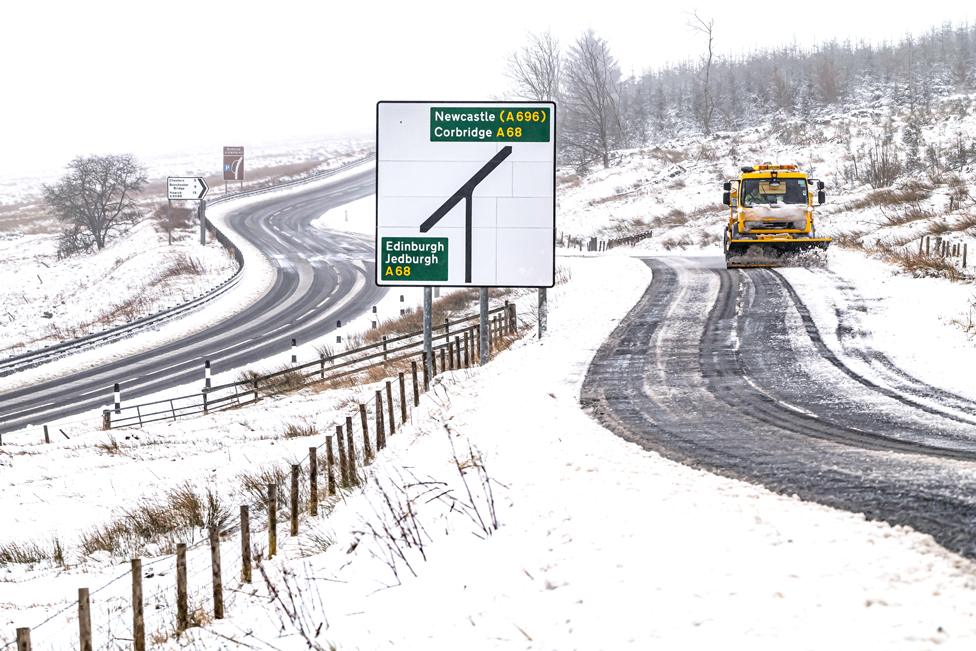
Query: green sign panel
{"points": [[489, 124], [413, 258]]}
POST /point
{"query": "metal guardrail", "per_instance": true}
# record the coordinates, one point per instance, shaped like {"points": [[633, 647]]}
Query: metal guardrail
{"points": [[30, 359], [339, 366]]}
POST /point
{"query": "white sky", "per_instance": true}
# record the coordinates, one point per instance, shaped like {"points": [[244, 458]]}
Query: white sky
{"points": [[160, 77]]}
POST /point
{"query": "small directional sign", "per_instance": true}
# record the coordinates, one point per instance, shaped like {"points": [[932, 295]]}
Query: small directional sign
{"points": [[185, 188], [233, 163], [465, 193]]}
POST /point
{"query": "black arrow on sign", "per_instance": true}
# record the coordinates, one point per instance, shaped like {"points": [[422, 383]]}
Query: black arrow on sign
{"points": [[465, 192]]}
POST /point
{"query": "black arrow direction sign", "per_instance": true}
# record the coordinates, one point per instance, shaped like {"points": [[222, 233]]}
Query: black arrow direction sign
{"points": [[203, 187], [465, 192]]}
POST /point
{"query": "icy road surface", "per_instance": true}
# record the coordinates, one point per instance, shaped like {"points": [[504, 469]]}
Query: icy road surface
{"points": [[726, 370]]}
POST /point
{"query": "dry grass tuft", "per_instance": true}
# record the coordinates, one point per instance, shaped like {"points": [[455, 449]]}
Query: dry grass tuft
{"points": [[22, 553], [910, 192], [300, 430], [921, 265], [173, 518], [111, 446]]}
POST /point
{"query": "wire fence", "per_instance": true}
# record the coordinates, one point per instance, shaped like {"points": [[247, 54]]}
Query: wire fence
{"points": [[451, 340], [163, 604]]}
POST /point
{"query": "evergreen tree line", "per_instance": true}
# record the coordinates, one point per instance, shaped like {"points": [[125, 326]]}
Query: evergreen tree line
{"points": [[601, 111]]}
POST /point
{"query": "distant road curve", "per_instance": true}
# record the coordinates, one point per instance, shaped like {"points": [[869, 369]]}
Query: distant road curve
{"points": [[320, 277]]}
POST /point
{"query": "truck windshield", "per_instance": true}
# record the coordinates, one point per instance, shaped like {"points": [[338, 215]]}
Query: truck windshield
{"points": [[768, 191]]}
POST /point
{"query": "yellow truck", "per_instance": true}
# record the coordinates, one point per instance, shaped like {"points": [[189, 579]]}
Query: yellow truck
{"points": [[771, 220]]}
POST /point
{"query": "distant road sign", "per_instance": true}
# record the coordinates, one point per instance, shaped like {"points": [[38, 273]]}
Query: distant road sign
{"points": [[233, 163], [185, 188], [465, 193]]}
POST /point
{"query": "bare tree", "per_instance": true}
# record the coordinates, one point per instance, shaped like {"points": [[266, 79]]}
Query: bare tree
{"points": [[707, 28], [94, 200], [536, 68], [592, 123]]}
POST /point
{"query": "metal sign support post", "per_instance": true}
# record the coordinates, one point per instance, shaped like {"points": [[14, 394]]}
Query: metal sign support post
{"points": [[169, 220], [483, 330], [428, 339], [543, 312], [202, 214]]}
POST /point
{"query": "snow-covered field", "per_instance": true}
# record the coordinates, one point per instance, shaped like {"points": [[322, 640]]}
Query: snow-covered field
{"points": [[599, 544], [46, 300], [263, 160]]}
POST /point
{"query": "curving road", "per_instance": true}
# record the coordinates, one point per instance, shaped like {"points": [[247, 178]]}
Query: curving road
{"points": [[320, 277], [726, 370]]}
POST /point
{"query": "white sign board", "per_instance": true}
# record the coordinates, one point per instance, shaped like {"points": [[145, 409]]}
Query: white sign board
{"points": [[185, 188], [465, 193]]}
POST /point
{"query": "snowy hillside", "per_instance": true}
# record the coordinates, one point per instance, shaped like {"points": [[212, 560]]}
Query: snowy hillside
{"points": [[48, 300], [674, 188]]}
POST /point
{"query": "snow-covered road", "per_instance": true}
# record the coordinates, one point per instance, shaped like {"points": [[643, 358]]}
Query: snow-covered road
{"points": [[728, 370]]}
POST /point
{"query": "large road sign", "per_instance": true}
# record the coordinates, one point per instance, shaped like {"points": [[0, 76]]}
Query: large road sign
{"points": [[233, 163], [185, 188], [466, 193]]}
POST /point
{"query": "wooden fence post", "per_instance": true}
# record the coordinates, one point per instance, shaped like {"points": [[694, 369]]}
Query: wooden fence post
{"points": [[84, 620], [47, 437], [23, 639], [433, 364], [367, 446], [330, 466], [513, 320], [389, 409], [313, 481], [416, 387], [457, 352], [138, 622], [272, 520], [351, 452], [380, 430], [443, 367], [245, 544], [403, 399], [218, 585], [450, 355], [182, 608], [426, 376], [295, 470], [467, 348], [965, 250], [343, 457]]}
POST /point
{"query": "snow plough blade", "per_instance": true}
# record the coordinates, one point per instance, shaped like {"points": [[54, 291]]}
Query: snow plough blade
{"points": [[794, 252]]}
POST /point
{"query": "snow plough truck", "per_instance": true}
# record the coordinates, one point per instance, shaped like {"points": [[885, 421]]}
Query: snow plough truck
{"points": [[771, 220]]}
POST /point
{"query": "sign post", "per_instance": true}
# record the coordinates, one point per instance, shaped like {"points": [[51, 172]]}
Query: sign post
{"points": [[428, 335], [465, 197], [188, 188]]}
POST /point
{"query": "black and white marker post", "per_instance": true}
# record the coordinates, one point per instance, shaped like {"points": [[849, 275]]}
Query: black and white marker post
{"points": [[294, 351], [118, 398], [206, 375]]}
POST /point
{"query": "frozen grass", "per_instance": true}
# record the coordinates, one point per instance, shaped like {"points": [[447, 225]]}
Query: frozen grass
{"points": [[176, 516]]}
